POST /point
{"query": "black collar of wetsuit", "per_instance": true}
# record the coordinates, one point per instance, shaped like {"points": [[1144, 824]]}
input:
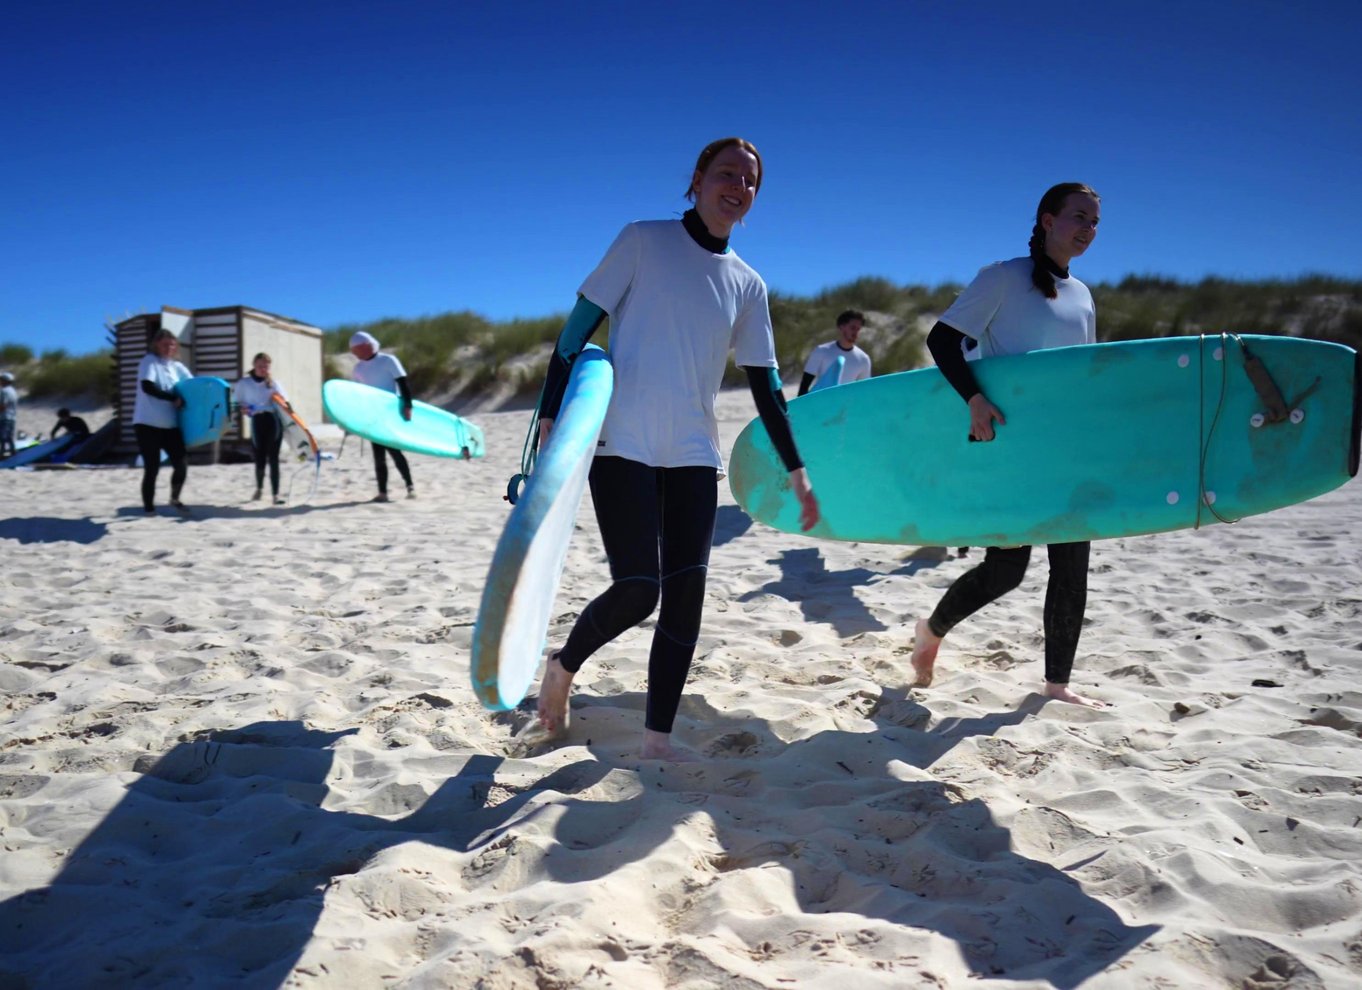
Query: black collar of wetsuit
{"points": [[256, 378], [700, 234], [1053, 267]]}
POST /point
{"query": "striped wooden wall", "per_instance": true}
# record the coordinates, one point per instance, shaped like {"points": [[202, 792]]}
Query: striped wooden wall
{"points": [[131, 339], [217, 348]]}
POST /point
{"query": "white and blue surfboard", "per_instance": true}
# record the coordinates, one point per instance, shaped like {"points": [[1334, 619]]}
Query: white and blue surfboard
{"points": [[517, 599]]}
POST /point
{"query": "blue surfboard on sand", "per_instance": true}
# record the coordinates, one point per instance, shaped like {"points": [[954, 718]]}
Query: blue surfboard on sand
{"points": [[518, 596], [1101, 441], [34, 453], [206, 413], [375, 414]]}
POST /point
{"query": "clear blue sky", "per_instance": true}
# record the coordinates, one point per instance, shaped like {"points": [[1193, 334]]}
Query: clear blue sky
{"points": [[343, 161]]}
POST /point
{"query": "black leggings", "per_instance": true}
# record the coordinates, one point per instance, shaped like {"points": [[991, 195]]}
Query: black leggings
{"points": [[657, 525], [266, 436], [1066, 597], [151, 440], [381, 465]]}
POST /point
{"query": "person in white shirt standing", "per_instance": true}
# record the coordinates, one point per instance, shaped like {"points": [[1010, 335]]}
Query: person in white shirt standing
{"points": [[9, 414], [381, 370], [1026, 304], [255, 394], [154, 420], [855, 362], [679, 300]]}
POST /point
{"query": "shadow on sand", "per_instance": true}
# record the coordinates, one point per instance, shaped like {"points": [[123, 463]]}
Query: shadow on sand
{"points": [[214, 864]]}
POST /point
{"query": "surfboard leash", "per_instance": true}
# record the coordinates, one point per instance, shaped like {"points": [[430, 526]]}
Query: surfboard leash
{"points": [[1215, 420]]}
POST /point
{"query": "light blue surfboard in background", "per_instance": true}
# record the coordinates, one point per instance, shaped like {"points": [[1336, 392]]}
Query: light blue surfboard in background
{"points": [[513, 619], [375, 414], [832, 375], [206, 413], [1101, 441]]}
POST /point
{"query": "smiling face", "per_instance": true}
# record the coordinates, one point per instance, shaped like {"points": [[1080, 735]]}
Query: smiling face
{"points": [[261, 367], [1069, 232], [724, 192]]}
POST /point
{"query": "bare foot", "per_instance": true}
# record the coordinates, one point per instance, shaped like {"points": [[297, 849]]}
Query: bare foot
{"points": [[553, 696], [1061, 692], [658, 746], [925, 645]]}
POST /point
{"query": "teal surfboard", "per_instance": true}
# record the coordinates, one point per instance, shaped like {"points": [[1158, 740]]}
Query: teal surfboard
{"points": [[516, 600], [206, 412], [1101, 441], [375, 415], [832, 375]]}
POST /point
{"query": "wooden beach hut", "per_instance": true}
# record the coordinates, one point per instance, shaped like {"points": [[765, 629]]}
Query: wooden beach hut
{"points": [[221, 341]]}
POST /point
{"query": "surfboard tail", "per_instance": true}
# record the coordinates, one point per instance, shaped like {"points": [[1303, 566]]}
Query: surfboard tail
{"points": [[1357, 415]]}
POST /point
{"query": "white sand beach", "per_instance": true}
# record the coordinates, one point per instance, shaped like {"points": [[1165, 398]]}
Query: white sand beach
{"points": [[240, 748]]}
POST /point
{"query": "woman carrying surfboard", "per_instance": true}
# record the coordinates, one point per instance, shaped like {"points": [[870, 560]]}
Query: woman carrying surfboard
{"points": [[679, 300], [1025, 304], [255, 396], [153, 418]]}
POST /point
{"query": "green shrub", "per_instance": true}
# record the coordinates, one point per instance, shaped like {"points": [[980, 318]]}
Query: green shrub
{"points": [[57, 375]]}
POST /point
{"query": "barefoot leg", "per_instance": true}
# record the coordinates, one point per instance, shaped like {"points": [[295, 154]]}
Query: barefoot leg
{"points": [[925, 645], [553, 695], [1061, 692], [658, 746]]}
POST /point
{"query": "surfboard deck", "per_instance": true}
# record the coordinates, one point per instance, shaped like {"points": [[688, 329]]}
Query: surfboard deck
{"points": [[375, 415], [513, 619], [1101, 441], [206, 413]]}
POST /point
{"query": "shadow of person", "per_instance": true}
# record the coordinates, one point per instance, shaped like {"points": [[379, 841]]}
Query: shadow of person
{"points": [[827, 596], [730, 522], [214, 863], [200, 512], [858, 827], [49, 529]]}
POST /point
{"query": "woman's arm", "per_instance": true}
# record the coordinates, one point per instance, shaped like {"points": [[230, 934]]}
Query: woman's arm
{"points": [[770, 401]]}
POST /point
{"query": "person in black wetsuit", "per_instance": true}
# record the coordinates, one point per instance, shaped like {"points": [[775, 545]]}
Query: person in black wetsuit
{"points": [[1025, 304], [73, 425], [679, 300]]}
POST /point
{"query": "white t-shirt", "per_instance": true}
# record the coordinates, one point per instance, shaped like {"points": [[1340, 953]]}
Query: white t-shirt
{"points": [[254, 396], [855, 368], [381, 371], [1004, 311], [9, 402], [676, 310], [163, 373]]}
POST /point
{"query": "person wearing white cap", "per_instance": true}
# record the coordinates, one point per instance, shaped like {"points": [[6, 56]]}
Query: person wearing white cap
{"points": [[9, 413], [385, 371]]}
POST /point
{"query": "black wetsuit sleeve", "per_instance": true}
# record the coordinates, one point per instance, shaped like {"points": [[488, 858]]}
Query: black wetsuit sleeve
{"points": [[585, 318], [944, 343], [805, 383], [770, 400], [403, 389], [156, 392]]}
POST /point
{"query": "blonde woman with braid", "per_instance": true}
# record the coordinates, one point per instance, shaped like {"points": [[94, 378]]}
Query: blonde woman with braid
{"points": [[1026, 304]]}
